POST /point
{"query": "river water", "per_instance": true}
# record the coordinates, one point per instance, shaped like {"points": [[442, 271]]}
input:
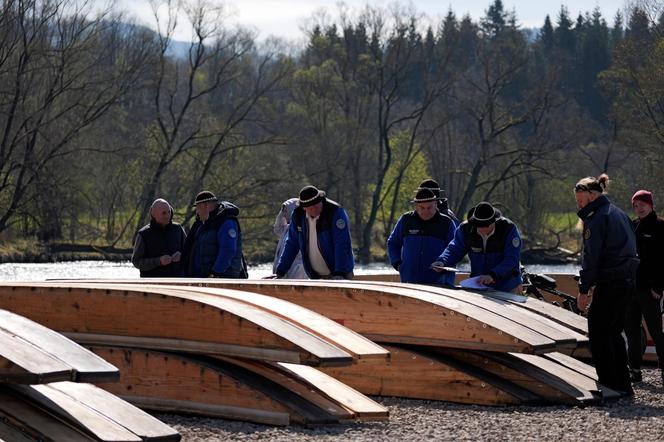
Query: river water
{"points": [[124, 270]]}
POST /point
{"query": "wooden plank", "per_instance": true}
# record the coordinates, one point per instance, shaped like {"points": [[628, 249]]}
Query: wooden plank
{"points": [[24, 363], [362, 406], [76, 413], [397, 315], [548, 388], [216, 411], [333, 332], [85, 365], [573, 363], [186, 316], [412, 373], [36, 422], [119, 411], [570, 376], [555, 313], [309, 392], [564, 336], [209, 385]]}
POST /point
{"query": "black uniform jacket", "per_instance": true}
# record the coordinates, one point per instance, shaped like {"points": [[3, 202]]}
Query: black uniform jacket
{"points": [[609, 245], [650, 245]]}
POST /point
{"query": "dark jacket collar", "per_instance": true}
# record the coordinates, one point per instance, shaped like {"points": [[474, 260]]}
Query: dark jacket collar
{"points": [[592, 207]]}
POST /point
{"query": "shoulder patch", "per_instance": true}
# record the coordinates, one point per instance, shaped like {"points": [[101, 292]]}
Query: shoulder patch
{"points": [[232, 233], [586, 234], [516, 242], [341, 224]]}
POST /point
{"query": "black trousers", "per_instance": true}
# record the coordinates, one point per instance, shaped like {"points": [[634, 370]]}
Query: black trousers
{"points": [[643, 305], [606, 320]]}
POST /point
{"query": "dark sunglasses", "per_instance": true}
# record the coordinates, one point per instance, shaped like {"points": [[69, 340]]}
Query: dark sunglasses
{"points": [[581, 188]]}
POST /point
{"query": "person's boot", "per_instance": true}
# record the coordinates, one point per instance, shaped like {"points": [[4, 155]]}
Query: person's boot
{"points": [[635, 375]]}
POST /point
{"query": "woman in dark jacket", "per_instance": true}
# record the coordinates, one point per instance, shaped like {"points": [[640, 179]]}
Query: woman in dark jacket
{"points": [[649, 230]]}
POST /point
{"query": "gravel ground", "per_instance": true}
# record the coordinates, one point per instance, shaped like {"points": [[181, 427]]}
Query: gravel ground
{"points": [[637, 418]]}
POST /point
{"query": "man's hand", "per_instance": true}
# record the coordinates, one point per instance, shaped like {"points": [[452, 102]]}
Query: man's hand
{"points": [[654, 294], [437, 266], [176, 256], [583, 300], [485, 279], [165, 260]]}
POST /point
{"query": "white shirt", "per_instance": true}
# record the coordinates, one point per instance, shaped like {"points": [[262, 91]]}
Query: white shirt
{"points": [[315, 257]]}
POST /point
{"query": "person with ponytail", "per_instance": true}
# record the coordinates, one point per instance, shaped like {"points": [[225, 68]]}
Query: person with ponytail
{"points": [[608, 275]]}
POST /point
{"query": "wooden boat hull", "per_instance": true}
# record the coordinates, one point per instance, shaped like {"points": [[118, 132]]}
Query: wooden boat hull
{"points": [[396, 314], [169, 319], [230, 388]]}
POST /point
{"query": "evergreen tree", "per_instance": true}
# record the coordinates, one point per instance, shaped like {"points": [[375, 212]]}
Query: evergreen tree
{"points": [[617, 31], [495, 19], [564, 35], [546, 35]]}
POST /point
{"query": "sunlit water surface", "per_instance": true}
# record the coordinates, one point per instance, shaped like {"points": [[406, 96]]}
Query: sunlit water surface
{"points": [[124, 270]]}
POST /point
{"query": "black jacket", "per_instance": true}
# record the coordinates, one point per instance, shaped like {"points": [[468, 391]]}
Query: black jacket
{"points": [[650, 245], [159, 240], [609, 245]]}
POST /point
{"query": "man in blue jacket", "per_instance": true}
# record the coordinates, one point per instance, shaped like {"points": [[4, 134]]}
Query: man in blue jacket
{"points": [[214, 246], [493, 245], [418, 238], [319, 230]]}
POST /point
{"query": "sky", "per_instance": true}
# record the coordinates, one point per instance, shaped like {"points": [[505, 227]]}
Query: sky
{"points": [[285, 18]]}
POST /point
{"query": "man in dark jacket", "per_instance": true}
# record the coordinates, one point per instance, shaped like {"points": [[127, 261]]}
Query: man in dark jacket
{"points": [[158, 246], [418, 238], [608, 273], [493, 245], [649, 230], [443, 205], [214, 244], [319, 230]]}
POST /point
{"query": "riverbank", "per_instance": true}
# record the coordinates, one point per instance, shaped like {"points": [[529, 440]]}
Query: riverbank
{"points": [[26, 251]]}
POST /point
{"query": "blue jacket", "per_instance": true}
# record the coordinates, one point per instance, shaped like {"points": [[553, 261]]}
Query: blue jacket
{"points": [[500, 257], [333, 240], [414, 244], [609, 245], [216, 245]]}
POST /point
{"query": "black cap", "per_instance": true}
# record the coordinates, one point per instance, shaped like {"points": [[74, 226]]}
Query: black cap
{"points": [[424, 195], [483, 215], [430, 184], [204, 197], [310, 196]]}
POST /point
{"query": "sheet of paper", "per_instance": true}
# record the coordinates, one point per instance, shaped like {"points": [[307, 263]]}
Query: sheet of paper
{"points": [[474, 284], [445, 269]]}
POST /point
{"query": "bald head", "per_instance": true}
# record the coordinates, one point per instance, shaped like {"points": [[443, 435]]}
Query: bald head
{"points": [[161, 211]]}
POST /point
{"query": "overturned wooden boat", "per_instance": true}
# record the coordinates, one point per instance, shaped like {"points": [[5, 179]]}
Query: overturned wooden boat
{"points": [[67, 411], [182, 320], [232, 388], [409, 314]]}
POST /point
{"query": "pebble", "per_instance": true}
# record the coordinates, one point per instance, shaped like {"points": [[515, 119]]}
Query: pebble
{"points": [[640, 418]]}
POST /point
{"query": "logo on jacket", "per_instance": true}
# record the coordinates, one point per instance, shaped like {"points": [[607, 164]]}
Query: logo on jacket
{"points": [[232, 233], [413, 231], [341, 224], [516, 242], [586, 234]]}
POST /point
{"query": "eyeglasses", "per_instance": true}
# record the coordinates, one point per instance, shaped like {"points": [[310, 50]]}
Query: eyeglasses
{"points": [[581, 188]]}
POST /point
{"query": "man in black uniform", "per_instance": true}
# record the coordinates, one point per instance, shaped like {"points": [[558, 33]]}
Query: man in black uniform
{"points": [[608, 274], [649, 229]]}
